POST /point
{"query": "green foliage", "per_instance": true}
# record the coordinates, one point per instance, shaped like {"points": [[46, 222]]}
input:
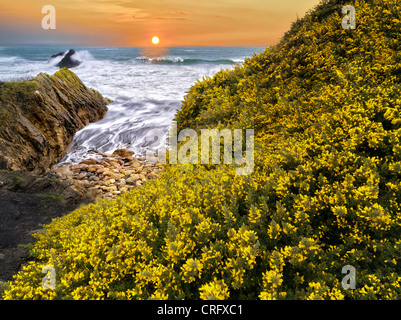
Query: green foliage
{"points": [[325, 192], [15, 93], [17, 179], [28, 246], [55, 197]]}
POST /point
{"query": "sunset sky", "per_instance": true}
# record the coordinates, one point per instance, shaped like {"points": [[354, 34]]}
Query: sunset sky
{"points": [[134, 23]]}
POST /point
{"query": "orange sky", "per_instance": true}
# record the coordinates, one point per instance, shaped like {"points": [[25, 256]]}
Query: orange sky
{"points": [[134, 23]]}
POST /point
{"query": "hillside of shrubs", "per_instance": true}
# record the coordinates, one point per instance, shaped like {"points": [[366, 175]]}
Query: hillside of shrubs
{"points": [[325, 191]]}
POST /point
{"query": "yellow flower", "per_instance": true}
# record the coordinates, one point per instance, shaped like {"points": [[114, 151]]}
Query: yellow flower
{"points": [[215, 290]]}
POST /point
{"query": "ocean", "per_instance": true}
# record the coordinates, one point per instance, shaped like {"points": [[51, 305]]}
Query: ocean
{"points": [[146, 85]]}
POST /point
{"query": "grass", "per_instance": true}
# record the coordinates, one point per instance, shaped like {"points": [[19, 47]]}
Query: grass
{"points": [[3, 286], [14, 94], [55, 197], [28, 246], [16, 180]]}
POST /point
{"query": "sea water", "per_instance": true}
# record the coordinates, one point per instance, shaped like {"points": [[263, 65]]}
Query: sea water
{"points": [[146, 85]]}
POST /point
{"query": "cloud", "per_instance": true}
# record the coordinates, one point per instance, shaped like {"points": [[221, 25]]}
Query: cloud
{"points": [[124, 11], [168, 18], [180, 12], [116, 11], [134, 18]]}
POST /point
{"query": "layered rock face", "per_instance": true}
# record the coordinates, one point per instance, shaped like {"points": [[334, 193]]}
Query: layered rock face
{"points": [[39, 117]]}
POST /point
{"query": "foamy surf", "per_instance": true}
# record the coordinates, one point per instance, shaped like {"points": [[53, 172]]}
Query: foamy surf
{"points": [[147, 87], [126, 126]]}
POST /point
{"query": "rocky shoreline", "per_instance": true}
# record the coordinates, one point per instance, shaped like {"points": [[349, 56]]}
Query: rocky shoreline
{"points": [[38, 120], [106, 176]]}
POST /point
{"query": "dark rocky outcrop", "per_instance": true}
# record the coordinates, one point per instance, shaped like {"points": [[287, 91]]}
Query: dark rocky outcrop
{"points": [[27, 202], [39, 117], [60, 54], [69, 61]]}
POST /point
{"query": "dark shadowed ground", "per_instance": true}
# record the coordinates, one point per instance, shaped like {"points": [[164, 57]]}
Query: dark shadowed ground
{"points": [[26, 204]]}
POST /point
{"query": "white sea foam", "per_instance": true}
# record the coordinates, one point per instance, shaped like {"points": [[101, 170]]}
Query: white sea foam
{"points": [[7, 59], [147, 91]]}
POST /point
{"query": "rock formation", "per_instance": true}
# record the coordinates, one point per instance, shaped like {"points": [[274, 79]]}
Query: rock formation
{"points": [[68, 61], [39, 117], [60, 54]]}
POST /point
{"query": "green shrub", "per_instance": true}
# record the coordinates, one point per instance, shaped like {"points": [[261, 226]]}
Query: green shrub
{"points": [[324, 194], [55, 197]]}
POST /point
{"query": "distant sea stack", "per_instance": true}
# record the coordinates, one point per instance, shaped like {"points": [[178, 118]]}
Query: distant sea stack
{"points": [[39, 117], [61, 54], [69, 60]]}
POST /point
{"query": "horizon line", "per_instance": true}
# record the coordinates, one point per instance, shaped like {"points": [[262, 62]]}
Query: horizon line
{"points": [[122, 46]]}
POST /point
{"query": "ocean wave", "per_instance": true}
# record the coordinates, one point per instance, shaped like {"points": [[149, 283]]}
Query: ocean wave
{"points": [[81, 55], [7, 59], [84, 55], [128, 124], [186, 61]]}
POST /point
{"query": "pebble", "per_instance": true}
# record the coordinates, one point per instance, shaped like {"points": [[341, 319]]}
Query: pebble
{"points": [[132, 179], [153, 175], [93, 168], [90, 162], [110, 175], [81, 176]]}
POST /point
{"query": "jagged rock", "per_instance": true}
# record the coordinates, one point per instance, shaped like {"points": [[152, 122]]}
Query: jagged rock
{"points": [[69, 61], [39, 117], [56, 55], [47, 186]]}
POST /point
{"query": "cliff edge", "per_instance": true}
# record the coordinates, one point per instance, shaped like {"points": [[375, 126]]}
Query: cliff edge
{"points": [[39, 117]]}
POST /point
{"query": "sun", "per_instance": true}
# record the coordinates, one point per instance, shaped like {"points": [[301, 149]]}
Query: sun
{"points": [[155, 40]]}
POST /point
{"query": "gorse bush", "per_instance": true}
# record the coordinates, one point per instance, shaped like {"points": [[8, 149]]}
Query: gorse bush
{"points": [[280, 84], [325, 192]]}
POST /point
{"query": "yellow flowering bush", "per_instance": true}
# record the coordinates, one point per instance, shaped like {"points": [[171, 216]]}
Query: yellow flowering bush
{"points": [[325, 191], [215, 290]]}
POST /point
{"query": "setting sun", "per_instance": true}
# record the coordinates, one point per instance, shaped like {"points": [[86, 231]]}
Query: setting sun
{"points": [[155, 40]]}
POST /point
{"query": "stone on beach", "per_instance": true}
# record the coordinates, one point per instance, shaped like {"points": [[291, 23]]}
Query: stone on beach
{"points": [[89, 162], [132, 179], [124, 153], [109, 176]]}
